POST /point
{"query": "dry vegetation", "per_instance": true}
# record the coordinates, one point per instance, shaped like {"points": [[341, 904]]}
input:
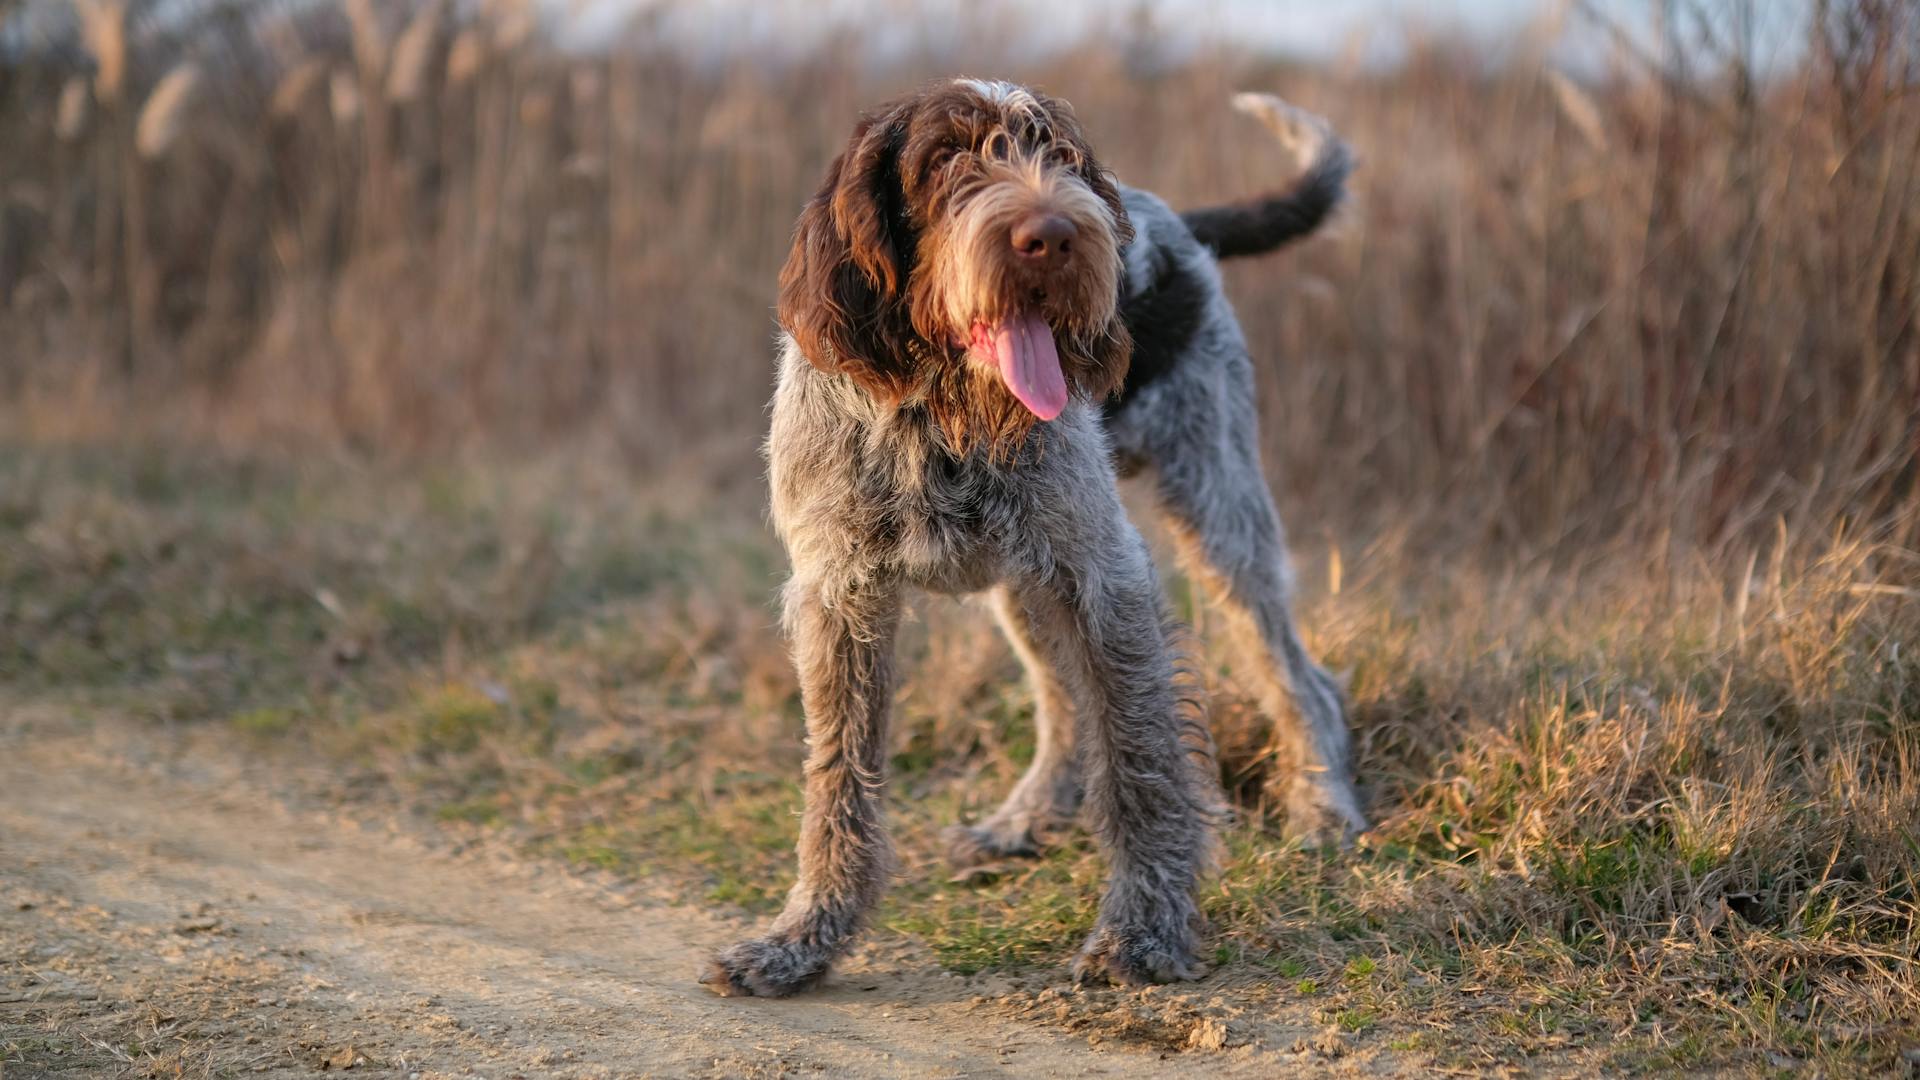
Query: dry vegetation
{"points": [[1597, 419]]}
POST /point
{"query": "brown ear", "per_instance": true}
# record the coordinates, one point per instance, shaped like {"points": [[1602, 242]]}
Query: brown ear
{"points": [[842, 292]]}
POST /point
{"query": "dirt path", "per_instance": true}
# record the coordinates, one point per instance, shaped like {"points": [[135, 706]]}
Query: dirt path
{"points": [[163, 915]]}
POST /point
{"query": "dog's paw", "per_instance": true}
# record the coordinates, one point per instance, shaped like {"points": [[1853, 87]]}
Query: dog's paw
{"points": [[974, 845], [1323, 813], [1136, 956], [764, 967]]}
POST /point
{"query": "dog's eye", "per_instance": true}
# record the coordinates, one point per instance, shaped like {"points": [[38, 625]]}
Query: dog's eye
{"points": [[942, 155]]}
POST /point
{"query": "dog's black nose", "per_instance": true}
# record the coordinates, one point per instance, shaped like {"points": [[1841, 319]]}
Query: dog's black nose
{"points": [[1044, 238]]}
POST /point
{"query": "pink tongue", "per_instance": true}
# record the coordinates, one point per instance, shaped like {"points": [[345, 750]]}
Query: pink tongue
{"points": [[1022, 348]]}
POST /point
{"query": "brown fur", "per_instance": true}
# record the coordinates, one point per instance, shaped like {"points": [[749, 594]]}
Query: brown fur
{"points": [[935, 182]]}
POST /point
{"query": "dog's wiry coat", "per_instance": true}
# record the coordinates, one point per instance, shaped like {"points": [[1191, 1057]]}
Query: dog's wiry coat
{"points": [[899, 460]]}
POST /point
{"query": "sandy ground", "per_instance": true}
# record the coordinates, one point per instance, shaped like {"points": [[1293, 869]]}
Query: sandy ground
{"points": [[164, 912]]}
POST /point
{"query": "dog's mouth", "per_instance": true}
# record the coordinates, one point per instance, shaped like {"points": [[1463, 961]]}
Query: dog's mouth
{"points": [[1020, 347]]}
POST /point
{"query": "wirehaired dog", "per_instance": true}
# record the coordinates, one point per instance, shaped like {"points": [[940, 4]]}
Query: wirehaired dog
{"points": [[983, 331]]}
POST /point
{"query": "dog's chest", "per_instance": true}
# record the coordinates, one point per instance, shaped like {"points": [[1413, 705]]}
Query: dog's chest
{"points": [[857, 492], [939, 522]]}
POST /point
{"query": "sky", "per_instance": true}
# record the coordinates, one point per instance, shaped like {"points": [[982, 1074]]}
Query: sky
{"points": [[1368, 30], [1373, 30]]}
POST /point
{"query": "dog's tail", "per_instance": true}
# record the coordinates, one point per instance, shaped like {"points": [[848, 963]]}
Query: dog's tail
{"points": [[1261, 224]]}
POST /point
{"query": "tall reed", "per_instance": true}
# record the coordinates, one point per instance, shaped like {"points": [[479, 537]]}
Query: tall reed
{"points": [[1670, 302]]}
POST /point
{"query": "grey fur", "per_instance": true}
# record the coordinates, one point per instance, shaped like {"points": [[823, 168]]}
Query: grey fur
{"points": [[1195, 434], [870, 503]]}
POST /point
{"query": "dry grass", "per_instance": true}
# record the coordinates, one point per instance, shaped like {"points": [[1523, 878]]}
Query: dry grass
{"points": [[1671, 828], [1596, 419]]}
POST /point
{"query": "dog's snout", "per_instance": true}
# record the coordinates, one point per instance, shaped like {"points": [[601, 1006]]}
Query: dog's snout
{"points": [[1045, 238]]}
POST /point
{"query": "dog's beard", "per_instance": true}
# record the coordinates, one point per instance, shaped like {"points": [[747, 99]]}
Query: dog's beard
{"points": [[972, 408], [1037, 342]]}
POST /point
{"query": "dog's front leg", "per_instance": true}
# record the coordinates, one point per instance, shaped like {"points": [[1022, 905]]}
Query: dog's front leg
{"points": [[843, 650], [1146, 800]]}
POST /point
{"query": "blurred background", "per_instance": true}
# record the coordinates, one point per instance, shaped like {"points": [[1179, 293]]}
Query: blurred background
{"points": [[382, 383], [1610, 267]]}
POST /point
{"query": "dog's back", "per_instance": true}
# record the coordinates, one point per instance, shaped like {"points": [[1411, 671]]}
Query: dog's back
{"points": [[1171, 295]]}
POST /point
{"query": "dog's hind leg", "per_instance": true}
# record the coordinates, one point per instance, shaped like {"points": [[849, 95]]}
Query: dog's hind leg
{"points": [[1048, 796], [1215, 503], [843, 650]]}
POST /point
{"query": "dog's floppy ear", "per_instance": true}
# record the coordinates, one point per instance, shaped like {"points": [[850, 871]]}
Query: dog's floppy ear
{"points": [[843, 290]]}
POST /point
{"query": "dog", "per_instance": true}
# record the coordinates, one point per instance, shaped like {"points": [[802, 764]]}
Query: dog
{"points": [[982, 332]]}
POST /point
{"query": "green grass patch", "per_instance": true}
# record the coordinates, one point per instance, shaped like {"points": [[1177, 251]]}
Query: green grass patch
{"points": [[1356, 1020], [470, 811], [265, 721], [1037, 914]]}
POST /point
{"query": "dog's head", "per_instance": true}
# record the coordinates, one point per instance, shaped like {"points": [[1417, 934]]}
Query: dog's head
{"points": [[963, 256]]}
